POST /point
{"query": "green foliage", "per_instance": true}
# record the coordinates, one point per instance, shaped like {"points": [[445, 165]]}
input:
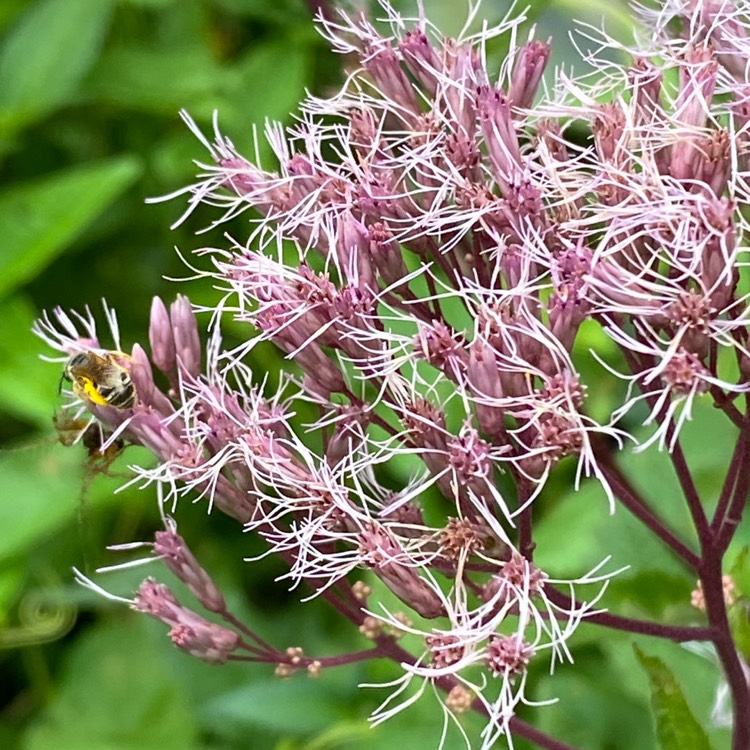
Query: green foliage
{"points": [[89, 98], [583, 715], [739, 621], [676, 726], [45, 57], [25, 381], [38, 220], [569, 516], [263, 704], [739, 610], [113, 698]]}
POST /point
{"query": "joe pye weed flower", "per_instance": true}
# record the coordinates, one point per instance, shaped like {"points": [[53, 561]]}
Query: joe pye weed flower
{"points": [[425, 253]]}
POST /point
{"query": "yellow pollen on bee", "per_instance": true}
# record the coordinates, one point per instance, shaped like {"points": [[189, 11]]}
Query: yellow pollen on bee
{"points": [[87, 388]]}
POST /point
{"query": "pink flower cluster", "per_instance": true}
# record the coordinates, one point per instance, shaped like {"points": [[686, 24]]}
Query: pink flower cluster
{"points": [[425, 255]]}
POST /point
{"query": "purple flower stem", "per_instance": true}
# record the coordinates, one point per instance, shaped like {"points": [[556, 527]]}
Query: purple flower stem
{"points": [[258, 654], [633, 501], [739, 457], [713, 546], [390, 649], [677, 633], [435, 301], [239, 625], [685, 478], [326, 661], [689, 489], [713, 591], [523, 729], [733, 516], [723, 402], [336, 596]]}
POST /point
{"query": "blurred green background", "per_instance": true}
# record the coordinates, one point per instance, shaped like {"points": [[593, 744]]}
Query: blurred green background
{"points": [[89, 95]]}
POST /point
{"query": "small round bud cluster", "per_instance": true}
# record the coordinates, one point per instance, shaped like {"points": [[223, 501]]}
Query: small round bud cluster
{"points": [[371, 627], [446, 649], [393, 628], [295, 654], [698, 599], [361, 590], [460, 537], [508, 654], [516, 575], [284, 670], [684, 373], [314, 668], [459, 699]]}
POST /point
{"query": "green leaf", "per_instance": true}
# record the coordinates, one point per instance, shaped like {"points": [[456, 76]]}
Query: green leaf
{"points": [[676, 726], [9, 10], [265, 704], [39, 219], [46, 55], [12, 578], [342, 735], [283, 12], [46, 485], [28, 386], [739, 623], [43, 483], [159, 80], [116, 694], [739, 571], [289, 59], [583, 696], [650, 592]]}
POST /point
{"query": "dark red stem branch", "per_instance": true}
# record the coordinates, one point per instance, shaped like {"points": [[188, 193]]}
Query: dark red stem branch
{"points": [[633, 501]]}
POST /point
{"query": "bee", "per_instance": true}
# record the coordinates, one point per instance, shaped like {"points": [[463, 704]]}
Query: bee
{"points": [[93, 437], [99, 378]]}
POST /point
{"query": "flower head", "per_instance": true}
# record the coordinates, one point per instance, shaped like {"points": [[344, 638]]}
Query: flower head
{"points": [[425, 255]]}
